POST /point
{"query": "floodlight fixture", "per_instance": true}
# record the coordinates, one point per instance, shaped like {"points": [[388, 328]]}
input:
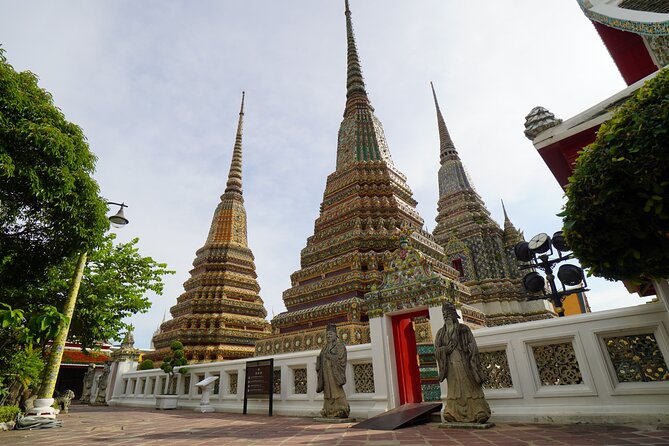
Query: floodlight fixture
{"points": [[559, 242], [536, 256], [534, 282], [522, 251], [570, 275]]}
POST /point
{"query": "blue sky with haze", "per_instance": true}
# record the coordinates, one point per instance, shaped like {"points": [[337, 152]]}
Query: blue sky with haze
{"points": [[156, 86]]}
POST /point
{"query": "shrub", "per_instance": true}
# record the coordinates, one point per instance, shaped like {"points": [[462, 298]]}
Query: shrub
{"points": [[8, 413], [617, 214], [147, 364], [176, 359]]}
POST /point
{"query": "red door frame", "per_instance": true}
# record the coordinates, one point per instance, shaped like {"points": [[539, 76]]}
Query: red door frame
{"points": [[406, 361]]}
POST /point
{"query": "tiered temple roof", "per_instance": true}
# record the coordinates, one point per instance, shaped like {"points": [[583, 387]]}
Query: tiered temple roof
{"points": [[366, 200], [220, 314], [476, 245]]}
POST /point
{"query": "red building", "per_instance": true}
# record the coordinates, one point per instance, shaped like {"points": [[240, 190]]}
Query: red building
{"points": [[75, 363]]}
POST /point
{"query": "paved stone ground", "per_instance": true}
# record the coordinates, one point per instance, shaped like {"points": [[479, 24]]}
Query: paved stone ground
{"points": [[86, 425]]}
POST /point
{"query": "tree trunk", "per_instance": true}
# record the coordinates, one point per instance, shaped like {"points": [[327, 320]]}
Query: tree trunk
{"points": [[58, 345]]}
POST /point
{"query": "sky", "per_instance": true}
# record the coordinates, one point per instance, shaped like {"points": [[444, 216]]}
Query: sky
{"points": [[156, 87]]}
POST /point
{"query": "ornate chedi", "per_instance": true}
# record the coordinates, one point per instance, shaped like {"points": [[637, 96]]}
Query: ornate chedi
{"points": [[366, 199], [220, 314], [476, 246]]}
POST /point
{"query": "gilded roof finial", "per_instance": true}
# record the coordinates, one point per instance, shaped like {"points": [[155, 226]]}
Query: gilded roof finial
{"points": [[235, 175], [356, 94], [446, 146]]}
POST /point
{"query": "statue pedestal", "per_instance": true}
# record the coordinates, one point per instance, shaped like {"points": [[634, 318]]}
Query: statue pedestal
{"points": [[454, 425], [334, 420], [43, 408], [204, 408]]}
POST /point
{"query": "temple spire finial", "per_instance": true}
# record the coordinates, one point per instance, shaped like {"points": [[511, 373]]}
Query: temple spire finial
{"points": [[506, 217], [511, 234], [235, 175], [356, 94], [446, 146]]}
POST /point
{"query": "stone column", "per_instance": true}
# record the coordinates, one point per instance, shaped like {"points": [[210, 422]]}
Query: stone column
{"points": [[383, 361]]}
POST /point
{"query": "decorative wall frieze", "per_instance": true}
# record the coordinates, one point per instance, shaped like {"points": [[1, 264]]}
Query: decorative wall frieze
{"points": [[312, 339]]}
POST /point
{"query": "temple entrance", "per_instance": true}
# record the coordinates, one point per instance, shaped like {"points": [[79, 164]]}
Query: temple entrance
{"points": [[404, 314], [406, 356]]}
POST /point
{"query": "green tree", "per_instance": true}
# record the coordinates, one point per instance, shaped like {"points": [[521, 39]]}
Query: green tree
{"points": [[51, 214], [114, 285], [50, 208], [170, 362], [616, 218], [21, 342]]}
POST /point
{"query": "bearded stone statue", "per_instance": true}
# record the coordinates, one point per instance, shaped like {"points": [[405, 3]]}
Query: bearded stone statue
{"points": [[331, 371], [458, 360]]}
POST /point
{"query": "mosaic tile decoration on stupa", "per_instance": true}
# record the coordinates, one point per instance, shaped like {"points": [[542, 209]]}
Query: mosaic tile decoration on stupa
{"points": [[366, 200], [220, 315], [410, 282], [476, 245]]}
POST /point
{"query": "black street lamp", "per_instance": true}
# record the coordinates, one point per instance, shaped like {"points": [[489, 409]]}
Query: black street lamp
{"points": [[535, 255]]}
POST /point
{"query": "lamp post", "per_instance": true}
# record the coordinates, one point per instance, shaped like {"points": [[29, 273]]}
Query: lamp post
{"points": [[45, 394], [536, 254]]}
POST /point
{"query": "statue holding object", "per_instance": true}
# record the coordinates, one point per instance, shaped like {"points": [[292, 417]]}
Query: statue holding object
{"points": [[331, 371], [458, 360]]}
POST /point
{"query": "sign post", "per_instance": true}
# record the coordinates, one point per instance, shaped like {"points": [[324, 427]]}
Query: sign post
{"points": [[259, 381], [205, 385]]}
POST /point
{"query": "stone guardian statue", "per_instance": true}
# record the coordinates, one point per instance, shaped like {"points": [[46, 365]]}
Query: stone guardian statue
{"points": [[102, 385], [331, 370], [458, 360], [88, 384]]}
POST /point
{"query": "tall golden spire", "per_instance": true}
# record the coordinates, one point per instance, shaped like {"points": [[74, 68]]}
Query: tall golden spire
{"points": [[235, 175], [220, 315], [355, 83]]}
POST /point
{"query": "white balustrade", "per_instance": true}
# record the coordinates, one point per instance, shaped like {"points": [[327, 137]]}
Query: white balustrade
{"points": [[570, 369]]}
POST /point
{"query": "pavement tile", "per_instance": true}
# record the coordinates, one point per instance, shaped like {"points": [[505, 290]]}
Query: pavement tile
{"points": [[111, 426]]}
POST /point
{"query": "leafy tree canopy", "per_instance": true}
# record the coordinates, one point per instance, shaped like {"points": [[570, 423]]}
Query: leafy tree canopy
{"points": [[50, 206], [617, 214], [114, 286]]}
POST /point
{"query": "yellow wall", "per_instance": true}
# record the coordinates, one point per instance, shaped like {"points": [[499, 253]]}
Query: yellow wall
{"points": [[574, 303]]}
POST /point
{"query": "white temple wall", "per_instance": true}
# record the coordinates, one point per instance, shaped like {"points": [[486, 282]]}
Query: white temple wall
{"points": [[294, 395], [556, 370], [560, 370]]}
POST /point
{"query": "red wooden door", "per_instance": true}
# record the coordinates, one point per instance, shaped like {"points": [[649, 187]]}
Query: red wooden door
{"points": [[408, 375]]}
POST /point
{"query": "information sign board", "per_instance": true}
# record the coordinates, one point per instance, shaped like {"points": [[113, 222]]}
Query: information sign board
{"points": [[259, 381]]}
